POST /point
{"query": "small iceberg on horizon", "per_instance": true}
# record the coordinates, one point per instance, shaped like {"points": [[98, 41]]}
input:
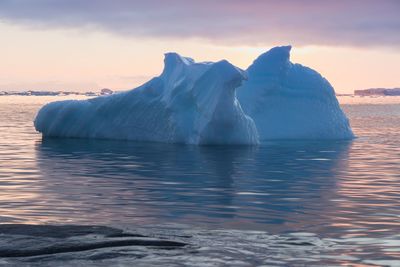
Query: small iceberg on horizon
{"points": [[208, 103]]}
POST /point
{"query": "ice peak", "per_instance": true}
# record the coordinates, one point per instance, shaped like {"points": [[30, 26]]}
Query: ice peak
{"points": [[277, 53], [272, 61], [227, 73], [229, 70], [172, 59]]}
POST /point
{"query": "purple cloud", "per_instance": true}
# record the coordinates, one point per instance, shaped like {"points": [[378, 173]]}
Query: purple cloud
{"points": [[256, 22]]}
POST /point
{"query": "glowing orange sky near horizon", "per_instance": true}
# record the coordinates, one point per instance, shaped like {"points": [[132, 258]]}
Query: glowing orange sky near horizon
{"points": [[74, 60]]}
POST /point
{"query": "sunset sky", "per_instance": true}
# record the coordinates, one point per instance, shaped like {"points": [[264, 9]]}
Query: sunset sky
{"points": [[88, 45]]}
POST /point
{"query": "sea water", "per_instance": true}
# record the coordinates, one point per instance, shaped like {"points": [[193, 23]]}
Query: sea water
{"points": [[278, 203]]}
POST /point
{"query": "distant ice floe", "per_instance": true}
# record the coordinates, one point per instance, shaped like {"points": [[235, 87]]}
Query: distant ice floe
{"points": [[209, 103]]}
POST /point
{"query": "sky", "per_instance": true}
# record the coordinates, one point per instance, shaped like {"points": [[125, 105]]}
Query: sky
{"points": [[86, 45]]}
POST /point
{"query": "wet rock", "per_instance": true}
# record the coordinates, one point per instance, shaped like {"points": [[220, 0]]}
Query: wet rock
{"points": [[22, 240]]}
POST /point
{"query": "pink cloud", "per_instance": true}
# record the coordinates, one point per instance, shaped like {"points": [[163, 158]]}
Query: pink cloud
{"points": [[307, 22]]}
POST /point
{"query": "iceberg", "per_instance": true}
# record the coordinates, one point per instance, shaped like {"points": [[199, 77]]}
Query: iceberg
{"points": [[208, 103], [190, 103], [291, 101]]}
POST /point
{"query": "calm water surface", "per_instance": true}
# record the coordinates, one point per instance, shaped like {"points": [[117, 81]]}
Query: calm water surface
{"points": [[342, 197]]}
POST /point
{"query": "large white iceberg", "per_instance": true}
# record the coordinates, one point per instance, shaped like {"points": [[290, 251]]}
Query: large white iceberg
{"points": [[196, 103], [192, 103], [291, 101]]}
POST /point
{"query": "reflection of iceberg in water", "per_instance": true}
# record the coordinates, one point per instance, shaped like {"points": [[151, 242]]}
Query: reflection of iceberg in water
{"points": [[255, 187]]}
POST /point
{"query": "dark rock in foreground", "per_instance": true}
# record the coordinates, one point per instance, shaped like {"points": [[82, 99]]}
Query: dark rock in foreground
{"points": [[22, 240]]}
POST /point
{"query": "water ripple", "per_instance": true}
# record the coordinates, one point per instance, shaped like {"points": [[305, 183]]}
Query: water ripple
{"points": [[343, 196]]}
